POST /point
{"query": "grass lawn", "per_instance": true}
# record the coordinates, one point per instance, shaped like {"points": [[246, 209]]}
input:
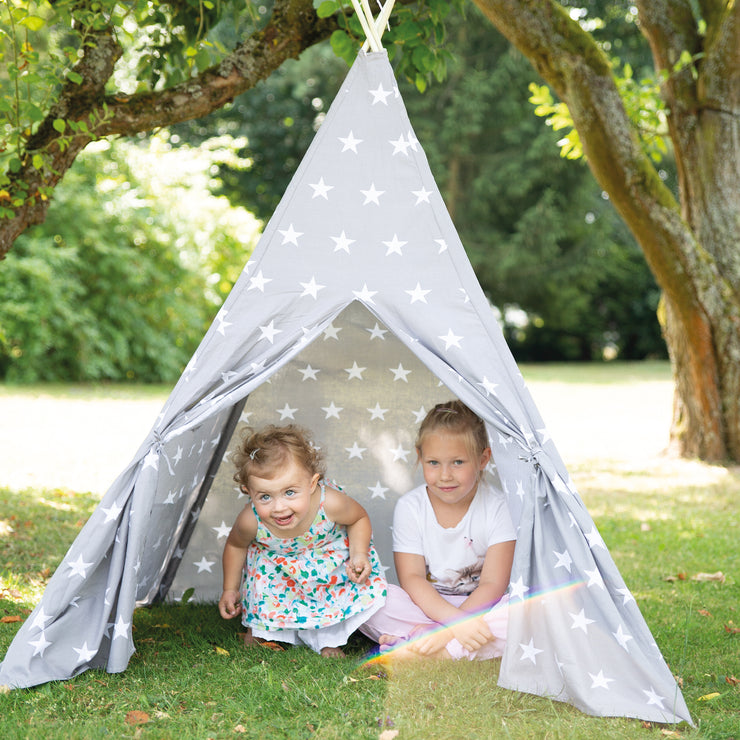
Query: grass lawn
{"points": [[666, 523]]}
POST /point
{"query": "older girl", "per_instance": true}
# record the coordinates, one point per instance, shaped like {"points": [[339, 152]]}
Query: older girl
{"points": [[453, 543]]}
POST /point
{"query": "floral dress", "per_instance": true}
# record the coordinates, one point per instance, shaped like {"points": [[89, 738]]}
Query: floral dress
{"points": [[301, 582]]}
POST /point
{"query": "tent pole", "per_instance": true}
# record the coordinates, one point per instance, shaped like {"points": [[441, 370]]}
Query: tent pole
{"points": [[205, 487]]}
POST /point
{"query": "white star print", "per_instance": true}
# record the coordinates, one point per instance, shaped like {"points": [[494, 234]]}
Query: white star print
{"points": [[400, 145], [394, 246], [377, 490], [365, 295], [40, 620], [178, 455], [654, 698], [321, 189], [380, 94], [39, 644], [377, 413], [204, 564], [151, 460], [350, 143], [78, 568], [488, 386], [342, 242], [443, 248], [311, 288], [355, 451], [594, 539], [451, 340], [413, 141], [530, 651], [377, 333], [564, 559], [400, 454], [259, 281], [594, 579], [600, 680], [332, 332], [626, 595], [517, 589], [372, 195], [581, 621], [290, 235], [309, 373], [332, 411], [222, 323], [622, 637], [269, 332], [112, 513], [84, 654], [418, 294], [399, 373], [419, 415], [121, 628], [422, 196], [286, 412], [355, 371]]}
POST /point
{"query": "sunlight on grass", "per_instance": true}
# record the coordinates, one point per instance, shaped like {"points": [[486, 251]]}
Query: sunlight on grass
{"points": [[666, 522]]}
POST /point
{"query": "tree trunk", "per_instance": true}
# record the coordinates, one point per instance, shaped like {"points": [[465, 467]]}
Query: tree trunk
{"points": [[690, 245]]}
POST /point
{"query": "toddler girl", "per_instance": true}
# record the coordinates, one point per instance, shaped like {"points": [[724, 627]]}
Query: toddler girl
{"points": [[298, 563], [453, 546]]}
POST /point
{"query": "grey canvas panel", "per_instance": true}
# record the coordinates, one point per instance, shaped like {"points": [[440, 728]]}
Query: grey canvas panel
{"points": [[358, 309]]}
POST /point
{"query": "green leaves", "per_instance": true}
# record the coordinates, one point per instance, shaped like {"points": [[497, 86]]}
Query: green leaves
{"points": [[558, 116]]}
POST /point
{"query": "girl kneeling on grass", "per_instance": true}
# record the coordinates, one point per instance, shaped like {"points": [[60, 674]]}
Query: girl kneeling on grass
{"points": [[453, 546], [298, 563]]}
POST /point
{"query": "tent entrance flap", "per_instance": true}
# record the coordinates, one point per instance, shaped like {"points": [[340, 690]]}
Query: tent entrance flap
{"points": [[205, 488], [361, 392]]}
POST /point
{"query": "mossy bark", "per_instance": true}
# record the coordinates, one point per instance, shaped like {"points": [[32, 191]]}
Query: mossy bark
{"points": [[690, 244]]}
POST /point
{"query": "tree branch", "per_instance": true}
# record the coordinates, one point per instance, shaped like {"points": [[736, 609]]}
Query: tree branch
{"points": [[292, 28], [569, 59]]}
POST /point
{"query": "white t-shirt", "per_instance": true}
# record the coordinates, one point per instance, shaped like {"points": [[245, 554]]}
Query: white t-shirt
{"points": [[454, 556]]}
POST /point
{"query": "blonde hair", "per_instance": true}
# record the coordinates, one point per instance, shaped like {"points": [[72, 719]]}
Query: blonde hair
{"points": [[267, 449], [454, 417]]}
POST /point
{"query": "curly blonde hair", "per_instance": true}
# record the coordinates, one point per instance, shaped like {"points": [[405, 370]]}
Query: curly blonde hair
{"points": [[269, 448]]}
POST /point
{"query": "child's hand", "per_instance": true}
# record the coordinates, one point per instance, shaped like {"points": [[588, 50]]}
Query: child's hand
{"points": [[472, 634], [230, 604], [433, 643], [358, 568]]}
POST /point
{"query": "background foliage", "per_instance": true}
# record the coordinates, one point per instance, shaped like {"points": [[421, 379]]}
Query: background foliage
{"points": [[125, 288], [128, 270]]}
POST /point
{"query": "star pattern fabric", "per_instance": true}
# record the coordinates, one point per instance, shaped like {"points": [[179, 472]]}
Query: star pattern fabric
{"points": [[357, 312]]}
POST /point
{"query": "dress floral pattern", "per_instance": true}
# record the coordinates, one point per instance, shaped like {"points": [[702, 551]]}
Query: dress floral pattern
{"points": [[301, 582]]}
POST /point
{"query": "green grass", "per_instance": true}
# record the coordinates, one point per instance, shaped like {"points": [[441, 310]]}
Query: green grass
{"points": [[600, 373], [86, 391], [664, 521], [662, 528]]}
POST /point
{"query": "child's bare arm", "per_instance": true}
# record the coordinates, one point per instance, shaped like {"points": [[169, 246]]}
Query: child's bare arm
{"points": [[234, 556], [344, 510]]}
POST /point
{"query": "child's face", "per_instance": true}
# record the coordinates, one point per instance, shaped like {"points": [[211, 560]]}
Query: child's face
{"points": [[285, 502], [451, 472]]}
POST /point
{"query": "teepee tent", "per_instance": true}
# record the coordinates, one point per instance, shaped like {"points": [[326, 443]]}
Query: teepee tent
{"points": [[357, 312]]}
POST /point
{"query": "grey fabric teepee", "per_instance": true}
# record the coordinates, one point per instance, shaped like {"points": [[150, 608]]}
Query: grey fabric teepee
{"points": [[358, 311]]}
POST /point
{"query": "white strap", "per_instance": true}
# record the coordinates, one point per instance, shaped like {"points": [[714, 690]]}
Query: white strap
{"points": [[372, 27]]}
